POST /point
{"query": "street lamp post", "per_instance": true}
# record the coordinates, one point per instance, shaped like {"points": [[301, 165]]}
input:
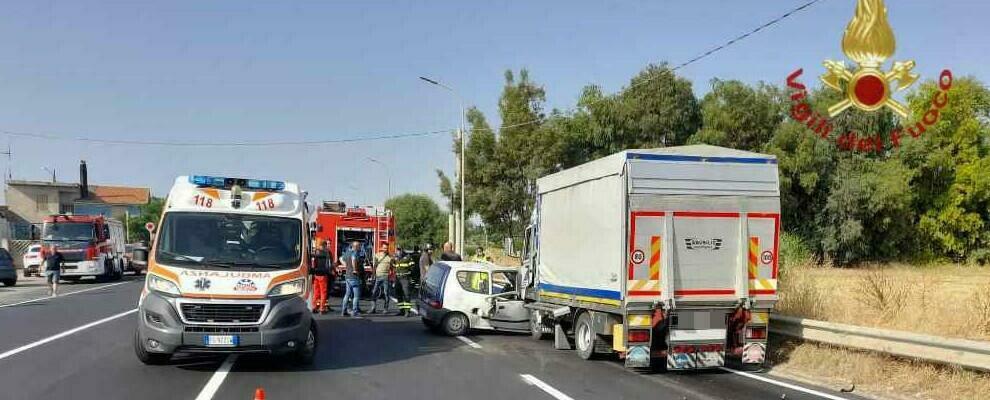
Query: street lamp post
{"points": [[388, 175], [461, 166], [52, 171]]}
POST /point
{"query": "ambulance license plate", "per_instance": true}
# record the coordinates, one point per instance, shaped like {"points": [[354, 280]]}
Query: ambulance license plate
{"points": [[220, 340]]}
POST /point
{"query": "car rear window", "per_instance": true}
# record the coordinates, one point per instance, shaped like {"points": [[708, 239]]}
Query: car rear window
{"points": [[433, 283]]}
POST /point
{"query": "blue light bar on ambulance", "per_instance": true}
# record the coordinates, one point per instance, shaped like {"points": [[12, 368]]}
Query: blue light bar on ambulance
{"points": [[226, 183]]}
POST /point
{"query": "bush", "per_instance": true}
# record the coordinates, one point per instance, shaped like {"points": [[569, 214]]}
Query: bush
{"points": [[794, 252], [882, 292]]}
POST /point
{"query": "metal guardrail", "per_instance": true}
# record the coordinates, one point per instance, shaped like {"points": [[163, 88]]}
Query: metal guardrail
{"points": [[965, 353]]}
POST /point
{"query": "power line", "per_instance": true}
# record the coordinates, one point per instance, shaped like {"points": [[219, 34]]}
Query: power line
{"points": [[227, 144], [697, 58]]}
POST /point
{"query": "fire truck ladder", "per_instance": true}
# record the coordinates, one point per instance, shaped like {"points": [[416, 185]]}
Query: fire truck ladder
{"points": [[382, 232]]}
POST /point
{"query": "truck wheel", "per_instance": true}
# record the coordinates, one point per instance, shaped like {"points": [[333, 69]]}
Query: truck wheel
{"points": [[586, 341], [537, 328], [146, 357], [455, 324], [307, 351]]}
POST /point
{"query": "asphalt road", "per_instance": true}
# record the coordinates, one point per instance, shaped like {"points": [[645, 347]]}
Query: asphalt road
{"points": [[78, 346]]}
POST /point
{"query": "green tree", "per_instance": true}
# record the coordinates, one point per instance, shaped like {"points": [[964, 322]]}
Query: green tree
{"points": [[739, 116], [657, 109], [418, 220], [150, 212], [952, 159]]}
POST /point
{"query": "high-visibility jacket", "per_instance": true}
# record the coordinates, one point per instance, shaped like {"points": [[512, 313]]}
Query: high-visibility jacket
{"points": [[404, 266]]}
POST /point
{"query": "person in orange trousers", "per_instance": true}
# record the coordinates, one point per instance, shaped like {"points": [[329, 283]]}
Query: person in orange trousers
{"points": [[321, 275]]}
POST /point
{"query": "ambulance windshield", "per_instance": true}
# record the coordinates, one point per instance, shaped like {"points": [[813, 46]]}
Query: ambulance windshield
{"points": [[216, 240]]}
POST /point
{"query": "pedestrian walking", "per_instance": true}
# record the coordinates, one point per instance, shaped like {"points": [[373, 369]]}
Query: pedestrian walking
{"points": [[53, 269], [353, 266], [403, 269], [449, 254], [425, 261], [383, 267], [321, 276]]}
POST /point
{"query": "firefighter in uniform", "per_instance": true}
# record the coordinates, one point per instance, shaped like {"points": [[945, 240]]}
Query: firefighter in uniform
{"points": [[403, 269]]}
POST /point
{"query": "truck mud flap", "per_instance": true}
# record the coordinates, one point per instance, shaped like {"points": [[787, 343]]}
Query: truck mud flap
{"points": [[560, 341]]}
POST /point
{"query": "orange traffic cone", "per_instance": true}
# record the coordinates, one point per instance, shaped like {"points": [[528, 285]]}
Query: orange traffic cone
{"points": [[259, 394]]}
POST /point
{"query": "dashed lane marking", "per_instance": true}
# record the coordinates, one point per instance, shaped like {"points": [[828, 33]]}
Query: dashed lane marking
{"points": [[469, 342], [63, 295], [532, 380], [217, 379], [30, 346], [784, 384]]}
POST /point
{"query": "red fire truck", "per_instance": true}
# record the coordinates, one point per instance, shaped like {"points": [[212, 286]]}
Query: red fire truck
{"points": [[339, 225], [91, 245]]}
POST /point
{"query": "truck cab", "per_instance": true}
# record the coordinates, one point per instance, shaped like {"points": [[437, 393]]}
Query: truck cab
{"points": [[91, 245], [227, 272]]}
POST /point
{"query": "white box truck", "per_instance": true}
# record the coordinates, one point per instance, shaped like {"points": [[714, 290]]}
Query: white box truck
{"points": [[668, 257]]}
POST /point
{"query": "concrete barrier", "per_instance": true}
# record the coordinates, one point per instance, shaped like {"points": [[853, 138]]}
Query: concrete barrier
{"points": [[970, 354]]}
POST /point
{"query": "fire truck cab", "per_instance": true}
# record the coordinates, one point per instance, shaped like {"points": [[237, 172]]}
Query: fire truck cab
{"points": [[91, 245]]}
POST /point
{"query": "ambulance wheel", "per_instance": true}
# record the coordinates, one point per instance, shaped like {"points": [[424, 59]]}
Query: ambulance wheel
{"points": [[147, 357], [455, 324], [587, 343], [307, 350], [538, 329]]}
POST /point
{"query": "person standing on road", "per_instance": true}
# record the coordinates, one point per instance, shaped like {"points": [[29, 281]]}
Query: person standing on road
{"points": [[321, 276], [425, 261], [53, 269], [403, 269], [352, 279], [383, 266], [449, 254]]}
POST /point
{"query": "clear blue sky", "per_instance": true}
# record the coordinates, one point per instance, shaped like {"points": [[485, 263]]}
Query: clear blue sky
{"points": [[251, 71]]}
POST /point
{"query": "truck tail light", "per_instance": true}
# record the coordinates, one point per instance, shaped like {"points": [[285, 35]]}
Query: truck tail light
{"points": [[683, 349], [91, 252], [758, 333], [710, 348], [639, 335]]}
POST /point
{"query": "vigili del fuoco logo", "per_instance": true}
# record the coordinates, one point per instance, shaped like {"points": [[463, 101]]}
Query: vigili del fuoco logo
{"points": [[868, 42]]}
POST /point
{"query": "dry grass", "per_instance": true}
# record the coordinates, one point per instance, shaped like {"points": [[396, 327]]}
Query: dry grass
{"points": [[944, 300], [874, 375]]}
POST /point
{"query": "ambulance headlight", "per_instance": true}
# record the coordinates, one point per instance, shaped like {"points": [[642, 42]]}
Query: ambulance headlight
{"points": [[288, 288], [162, 285]]}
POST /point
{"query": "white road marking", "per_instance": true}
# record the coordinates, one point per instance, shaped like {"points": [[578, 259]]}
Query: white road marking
{"points": [[784, 384], [217, 379], [469, 342], [63, 294], [530, 379], [30, 346]]}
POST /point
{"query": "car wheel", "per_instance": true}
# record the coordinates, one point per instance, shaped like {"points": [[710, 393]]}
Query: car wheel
{"points": [[307, 351], [586, 341], [455, 324], [26, 274], [147, 357], [538, 329]]}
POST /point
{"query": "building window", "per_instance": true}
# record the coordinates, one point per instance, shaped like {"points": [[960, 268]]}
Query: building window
{"points": [[65, 208], [42, 200]]}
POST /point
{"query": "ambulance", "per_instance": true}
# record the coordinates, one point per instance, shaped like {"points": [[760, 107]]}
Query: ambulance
{"points": [[227, 272]]}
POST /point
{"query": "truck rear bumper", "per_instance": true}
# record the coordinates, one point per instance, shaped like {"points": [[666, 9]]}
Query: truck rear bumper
{"points": [[160, 330]]}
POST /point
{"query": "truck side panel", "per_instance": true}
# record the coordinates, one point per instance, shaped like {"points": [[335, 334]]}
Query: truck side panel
{"points": [[582, 242]]}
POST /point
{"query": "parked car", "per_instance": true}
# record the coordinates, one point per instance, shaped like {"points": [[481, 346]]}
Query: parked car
{"points": [[7, 273], [458, 296], [32, 260]]}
